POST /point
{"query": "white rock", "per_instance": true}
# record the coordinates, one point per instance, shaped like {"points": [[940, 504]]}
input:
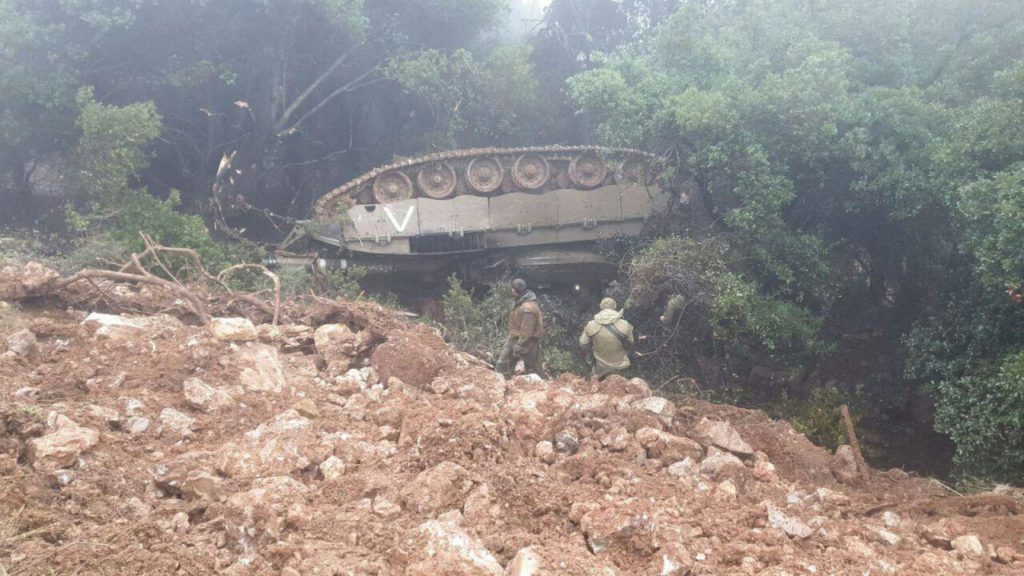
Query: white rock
{"points": [[386, 508], [724, 436], [332, 468], [686, 468], [138, 425], [663, 408], [175, 422], [261, 368], [233, 330], [62, 447], [545, 452], [526, 563], [27, 394], [719, 464], [180, 523], [968, 545], [791, 526], [204, 397], [333, 340], [891, 519], [23, 343], [448, 549]]}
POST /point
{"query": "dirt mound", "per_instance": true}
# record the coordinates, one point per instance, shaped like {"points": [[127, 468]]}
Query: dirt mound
{"points": [[353, 442]]}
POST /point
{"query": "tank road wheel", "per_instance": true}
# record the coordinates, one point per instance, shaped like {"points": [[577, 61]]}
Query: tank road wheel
{"points": [[531, 171], [588, 170], [392, 186], [437, 180], [634, 171], [485, 174]]}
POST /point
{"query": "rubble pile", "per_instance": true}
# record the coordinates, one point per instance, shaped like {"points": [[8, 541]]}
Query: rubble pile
{"points": [[351, 442]]}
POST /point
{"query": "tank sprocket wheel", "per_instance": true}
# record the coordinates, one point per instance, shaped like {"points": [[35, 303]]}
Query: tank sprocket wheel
{"points": [[437, 180], [392, 186], [485, 174], [634, 171], [531, 171], [588, 170]]}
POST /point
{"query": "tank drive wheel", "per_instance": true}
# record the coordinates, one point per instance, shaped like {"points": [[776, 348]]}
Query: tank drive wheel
{"points": [[437, 180], [392, 186], [531, 171], [634, 171], [588, 170], [484, 175]]}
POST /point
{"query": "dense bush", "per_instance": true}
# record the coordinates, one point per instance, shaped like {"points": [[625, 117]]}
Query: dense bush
{"points": [[983, 412]]}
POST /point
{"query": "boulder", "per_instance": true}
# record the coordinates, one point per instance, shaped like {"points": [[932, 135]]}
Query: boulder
{"points": [[668, 448], [527, 562], [137, 425], [233, 330], [660, 407], [286, 444], [720, 465], [186, 476], [204, 397], [437, 488], [764, 470], [333, 341], [62, 447], [844, 465], [386, 508], [686, 468], [261, 368], [969, 546], [721, 434], [23, 343], [545, 452], [174, 422], [333, 468], [618, 524], [113, 327], [34, 277], [446, 548]]}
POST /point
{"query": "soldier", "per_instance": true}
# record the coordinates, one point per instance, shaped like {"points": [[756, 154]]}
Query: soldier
{"points": [[525, 327], [611, 339]]}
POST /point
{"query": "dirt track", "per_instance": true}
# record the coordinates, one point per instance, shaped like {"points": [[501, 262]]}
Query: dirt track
{"points": [[352, 442]]}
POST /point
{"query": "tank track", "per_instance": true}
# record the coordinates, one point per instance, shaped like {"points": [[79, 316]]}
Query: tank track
{"points": [[351, 191]]}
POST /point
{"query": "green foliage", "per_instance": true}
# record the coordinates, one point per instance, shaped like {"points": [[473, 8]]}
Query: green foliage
{"points": [[299, 281], [472, 101], [110, 154], [983, 412], [478, 326], [719, 302], [818, 416]]}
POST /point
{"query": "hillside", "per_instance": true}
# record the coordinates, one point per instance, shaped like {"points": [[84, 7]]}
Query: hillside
{"points": [[348, 440]]}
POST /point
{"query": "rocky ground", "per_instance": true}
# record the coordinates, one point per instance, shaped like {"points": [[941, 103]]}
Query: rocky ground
{"points": [[348, 441]]}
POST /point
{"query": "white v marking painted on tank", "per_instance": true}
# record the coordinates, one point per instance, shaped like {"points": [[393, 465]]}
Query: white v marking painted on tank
{"points": [[394, 221]]}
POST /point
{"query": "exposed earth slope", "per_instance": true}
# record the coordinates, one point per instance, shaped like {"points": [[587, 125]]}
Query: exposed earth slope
{"points": [[349, 441]]}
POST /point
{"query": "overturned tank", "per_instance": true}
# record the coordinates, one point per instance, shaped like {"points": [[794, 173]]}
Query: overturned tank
{"points": [[482, 213]]}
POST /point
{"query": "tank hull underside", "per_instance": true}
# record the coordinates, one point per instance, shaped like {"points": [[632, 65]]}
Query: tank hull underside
{"points": [[481, 213]]}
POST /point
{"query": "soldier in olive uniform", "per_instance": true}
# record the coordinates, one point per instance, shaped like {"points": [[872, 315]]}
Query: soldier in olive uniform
{"points": [[525, 328], [610, 337]]}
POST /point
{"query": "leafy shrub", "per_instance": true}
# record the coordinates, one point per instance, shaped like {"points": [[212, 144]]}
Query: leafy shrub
{"points": [[298, 281], [818, 417], [983, 413]]}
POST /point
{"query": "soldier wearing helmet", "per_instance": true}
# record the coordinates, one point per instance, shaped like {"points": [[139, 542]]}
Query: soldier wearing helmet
{"points": [[525, 328], [610, 338]]}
